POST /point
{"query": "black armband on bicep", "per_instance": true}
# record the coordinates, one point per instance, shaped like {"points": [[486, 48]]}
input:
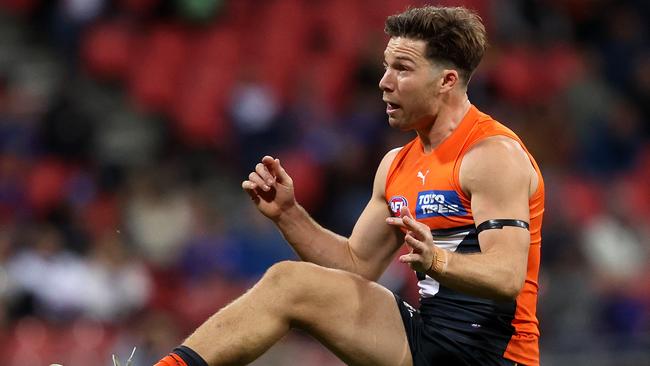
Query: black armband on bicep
{"points": [[500, 223]]}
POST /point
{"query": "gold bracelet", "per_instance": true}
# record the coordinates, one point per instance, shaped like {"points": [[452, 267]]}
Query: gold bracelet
{"points": [[439, 261]]}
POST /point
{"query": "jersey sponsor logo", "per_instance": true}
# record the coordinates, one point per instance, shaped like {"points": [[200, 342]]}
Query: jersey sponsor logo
{"points": [[396, 203], [438, 203]]}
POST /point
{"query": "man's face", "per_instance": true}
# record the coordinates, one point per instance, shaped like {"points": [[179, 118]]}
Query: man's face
{"points": [[410, 84]]}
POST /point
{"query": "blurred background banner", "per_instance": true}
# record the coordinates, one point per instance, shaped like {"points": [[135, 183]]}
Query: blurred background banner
{"points": [[127, 126]]}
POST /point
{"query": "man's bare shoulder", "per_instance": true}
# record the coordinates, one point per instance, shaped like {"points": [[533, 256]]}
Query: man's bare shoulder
{"points": [[499, 144], [382, 172], [390, 155], [387, 160], [497, 160]]}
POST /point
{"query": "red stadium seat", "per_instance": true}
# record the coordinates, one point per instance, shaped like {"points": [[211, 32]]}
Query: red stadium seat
{"points": [[204, 88], [157, 66], [46, 186], [279, 45], [105, 50]]}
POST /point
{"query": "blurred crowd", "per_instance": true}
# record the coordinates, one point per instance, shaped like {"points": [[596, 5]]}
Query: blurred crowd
{"points": [[127, 126]]}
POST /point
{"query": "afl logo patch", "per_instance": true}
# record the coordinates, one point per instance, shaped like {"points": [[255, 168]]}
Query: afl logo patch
{"points": [[396, 203]]}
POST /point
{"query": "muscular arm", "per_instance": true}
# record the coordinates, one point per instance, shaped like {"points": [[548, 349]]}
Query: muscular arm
{"points": [[369, 249], [498, 177]]}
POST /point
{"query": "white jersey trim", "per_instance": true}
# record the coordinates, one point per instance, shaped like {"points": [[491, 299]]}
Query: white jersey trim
{"points": [[430, 287]]}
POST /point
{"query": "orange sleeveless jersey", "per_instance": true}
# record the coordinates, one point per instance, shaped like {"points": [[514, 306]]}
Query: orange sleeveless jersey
{"points": [[428, 184]]}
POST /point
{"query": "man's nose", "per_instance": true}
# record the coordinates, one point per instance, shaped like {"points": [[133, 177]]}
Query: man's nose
{"points": [[386, 82]]}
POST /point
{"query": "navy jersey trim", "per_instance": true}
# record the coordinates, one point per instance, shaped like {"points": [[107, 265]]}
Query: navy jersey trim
{"points": [[480, 322]]}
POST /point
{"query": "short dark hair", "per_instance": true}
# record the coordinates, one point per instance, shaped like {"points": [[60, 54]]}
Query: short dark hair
{"points": [[452, 34]]}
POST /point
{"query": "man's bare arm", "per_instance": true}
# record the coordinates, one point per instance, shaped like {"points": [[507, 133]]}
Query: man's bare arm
{"points": [[371, 245], [496, 174]]}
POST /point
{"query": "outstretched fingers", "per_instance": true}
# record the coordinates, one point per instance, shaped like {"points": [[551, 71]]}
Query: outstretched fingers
{"points": [[417, 238], [276, 170], [406, 221], [410, 258], [417, 245], [251, 189], [263, 178], [263, 172], [419, 229], [419, 257], [258, 181], [266, 177]]}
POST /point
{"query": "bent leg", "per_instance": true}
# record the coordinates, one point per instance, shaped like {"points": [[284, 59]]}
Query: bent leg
{"points": [[355, 318]]}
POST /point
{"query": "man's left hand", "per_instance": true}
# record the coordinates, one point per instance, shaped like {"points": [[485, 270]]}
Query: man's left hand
{"points": [[418, 238]]}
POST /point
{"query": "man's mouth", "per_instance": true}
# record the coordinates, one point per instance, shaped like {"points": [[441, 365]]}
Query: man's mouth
{"points": [[392, 107]]}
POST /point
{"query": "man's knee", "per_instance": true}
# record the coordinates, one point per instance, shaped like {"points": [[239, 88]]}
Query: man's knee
{"points": [[302, 283], [301, 289], [287, 275]]}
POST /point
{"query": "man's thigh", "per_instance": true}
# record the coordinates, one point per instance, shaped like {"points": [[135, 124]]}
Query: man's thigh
{"points": [[355, 318]]}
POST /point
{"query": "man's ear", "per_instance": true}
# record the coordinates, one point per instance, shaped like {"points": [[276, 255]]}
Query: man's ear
{"points": [[450, 79]]}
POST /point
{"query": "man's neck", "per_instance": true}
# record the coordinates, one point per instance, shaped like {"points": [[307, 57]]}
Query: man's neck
{"points": [[447, 120]]}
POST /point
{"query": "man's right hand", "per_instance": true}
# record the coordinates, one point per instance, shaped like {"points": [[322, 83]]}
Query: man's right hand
{"points": [[270, 187]]}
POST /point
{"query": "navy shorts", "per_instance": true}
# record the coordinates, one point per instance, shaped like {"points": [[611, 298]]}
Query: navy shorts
{"points": [[434, 346]]}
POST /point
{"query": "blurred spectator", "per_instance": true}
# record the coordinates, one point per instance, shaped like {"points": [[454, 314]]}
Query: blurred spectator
{"points": [[117, 283], [210, 250], [159, 218], [50, 279]]}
